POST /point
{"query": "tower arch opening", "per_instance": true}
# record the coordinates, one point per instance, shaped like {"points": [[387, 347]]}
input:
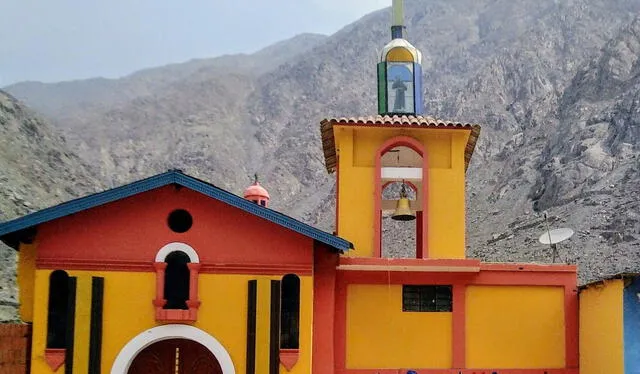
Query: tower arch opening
{"points": [[401, 193], [398, 236]]}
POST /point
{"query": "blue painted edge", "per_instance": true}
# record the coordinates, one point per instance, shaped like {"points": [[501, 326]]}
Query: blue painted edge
{"points": [[164, 179], [417, 87], [631, 319], [397, 32]]}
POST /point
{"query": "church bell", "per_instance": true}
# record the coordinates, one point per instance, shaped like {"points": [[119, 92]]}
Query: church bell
{"points": [[403, 209]]}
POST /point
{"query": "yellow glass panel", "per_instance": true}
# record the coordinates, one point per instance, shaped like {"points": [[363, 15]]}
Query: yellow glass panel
{"points": [[400, 54]]}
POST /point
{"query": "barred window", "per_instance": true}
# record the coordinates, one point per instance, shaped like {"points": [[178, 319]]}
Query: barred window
{"points": [[426, 299]]}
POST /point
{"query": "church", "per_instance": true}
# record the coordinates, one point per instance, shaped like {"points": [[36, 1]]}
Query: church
{"points": [[171, 274]]}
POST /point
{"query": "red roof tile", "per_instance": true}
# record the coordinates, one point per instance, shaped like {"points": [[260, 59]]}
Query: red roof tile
{"points": [[328, 141]]}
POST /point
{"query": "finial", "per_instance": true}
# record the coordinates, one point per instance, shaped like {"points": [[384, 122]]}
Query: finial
{"points": [[255, 178], [397, 24]]}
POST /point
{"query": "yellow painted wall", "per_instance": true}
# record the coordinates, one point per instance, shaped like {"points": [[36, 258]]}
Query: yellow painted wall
{"points": [[515, 327], [83, 323], [601, 328], [128, 312], [357, 148], [263, 323], [39, 327], [380, 335], [26, 269]]}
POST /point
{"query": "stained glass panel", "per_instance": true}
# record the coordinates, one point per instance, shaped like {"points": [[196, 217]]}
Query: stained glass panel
{"points": [[400, 87]]}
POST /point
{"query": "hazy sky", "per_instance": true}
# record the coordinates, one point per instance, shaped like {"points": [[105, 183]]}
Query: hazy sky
{"points": [[54, 40]]}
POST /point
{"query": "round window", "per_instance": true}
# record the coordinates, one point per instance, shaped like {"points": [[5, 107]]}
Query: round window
{"points": [[180, 221]]}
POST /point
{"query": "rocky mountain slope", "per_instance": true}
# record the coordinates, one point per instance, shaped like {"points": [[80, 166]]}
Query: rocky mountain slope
{"points": [[577, 157], [554, 84], [37, 170]]}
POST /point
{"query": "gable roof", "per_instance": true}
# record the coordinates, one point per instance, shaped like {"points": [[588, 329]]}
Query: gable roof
{"points": [[395, 121], [11, 231]]}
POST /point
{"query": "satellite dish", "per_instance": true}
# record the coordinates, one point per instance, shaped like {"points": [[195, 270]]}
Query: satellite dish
{"points": [[553, 237], [556, 236]]}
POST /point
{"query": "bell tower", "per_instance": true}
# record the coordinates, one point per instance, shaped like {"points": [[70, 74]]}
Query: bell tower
{"points": [[400, 166]]}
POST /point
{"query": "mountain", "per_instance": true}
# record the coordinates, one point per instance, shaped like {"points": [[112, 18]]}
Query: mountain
{"points": [[552, 82], [577, 157], [72, 104], [37, 169]]}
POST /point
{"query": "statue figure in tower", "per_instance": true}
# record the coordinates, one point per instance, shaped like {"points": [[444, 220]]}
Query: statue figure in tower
{"points": [[400, 87]]}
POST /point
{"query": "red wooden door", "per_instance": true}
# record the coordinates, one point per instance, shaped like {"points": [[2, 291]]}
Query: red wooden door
{"points": [[175, 356]]}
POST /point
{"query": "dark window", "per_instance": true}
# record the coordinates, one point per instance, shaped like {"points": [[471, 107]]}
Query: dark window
{"points": [[263, 203], [180, 221], [57, 313], [290, 312], [426, 299], [176, 281]]}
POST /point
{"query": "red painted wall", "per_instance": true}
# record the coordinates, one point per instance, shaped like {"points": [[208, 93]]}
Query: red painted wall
{"points": [[135, 228], [324, 297]]}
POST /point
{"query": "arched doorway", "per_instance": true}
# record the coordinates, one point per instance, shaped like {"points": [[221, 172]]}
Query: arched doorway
{"points": [[159, 334], [175, 356]]}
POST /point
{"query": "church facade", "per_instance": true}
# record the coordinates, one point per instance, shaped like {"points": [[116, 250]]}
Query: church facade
{"points": [[172, 274]]}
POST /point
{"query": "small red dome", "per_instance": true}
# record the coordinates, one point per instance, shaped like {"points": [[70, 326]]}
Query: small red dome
{"points": [[257, 194], [256, 191]]}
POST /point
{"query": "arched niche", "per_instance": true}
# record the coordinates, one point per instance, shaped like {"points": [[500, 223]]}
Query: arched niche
{"points": [[179, 264]]}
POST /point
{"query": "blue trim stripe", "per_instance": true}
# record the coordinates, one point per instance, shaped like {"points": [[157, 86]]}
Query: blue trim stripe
{"points": [[160, 180], [631, 307], [419, 100]]}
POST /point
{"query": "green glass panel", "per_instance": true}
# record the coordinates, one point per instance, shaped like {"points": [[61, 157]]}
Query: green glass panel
{"points": [[382, 88]]}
